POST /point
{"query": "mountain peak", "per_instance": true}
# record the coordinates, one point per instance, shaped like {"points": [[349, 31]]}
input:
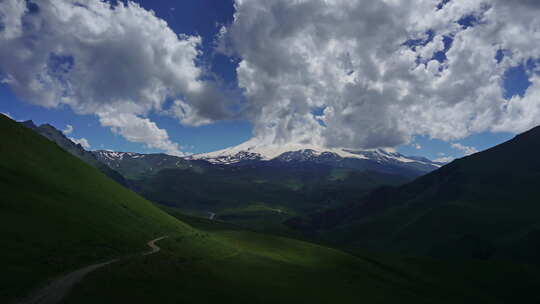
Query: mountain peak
{"points": [[271, 151], [287, 153], [50, 127], [114, 155], [29, 124]]}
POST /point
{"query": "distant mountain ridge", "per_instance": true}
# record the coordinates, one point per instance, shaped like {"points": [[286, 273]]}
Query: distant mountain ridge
{"points": [[75, 149], [135, 165], [379, 160]]}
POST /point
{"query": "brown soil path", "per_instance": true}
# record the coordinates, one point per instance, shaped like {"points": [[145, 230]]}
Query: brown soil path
{"points": [[59, 288]]}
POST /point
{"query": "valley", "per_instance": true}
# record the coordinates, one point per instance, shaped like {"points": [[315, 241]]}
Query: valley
{"points": [[261, 190], [72, 215]]}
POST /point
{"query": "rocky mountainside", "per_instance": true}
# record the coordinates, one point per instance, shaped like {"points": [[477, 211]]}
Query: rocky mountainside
{"points": [[135, 165], [77, 150]]}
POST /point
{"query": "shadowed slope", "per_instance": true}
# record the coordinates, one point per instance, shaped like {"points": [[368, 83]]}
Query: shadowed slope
{"points": [[483, 206]]}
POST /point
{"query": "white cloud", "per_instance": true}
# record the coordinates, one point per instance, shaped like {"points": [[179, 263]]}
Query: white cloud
{"points": [[68, 130], [81, 141], [10, 17], [467, 150], [99, 58], [7, 114], [140, 130], [350, 58], [444, 159]]}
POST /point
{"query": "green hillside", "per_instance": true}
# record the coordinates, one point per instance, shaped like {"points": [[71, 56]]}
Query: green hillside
{"points": [[261, 268], [77, 150], [58, 214], [484, 206]]}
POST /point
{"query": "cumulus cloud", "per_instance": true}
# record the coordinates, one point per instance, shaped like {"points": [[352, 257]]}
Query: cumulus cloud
{"points": [[81, 141], [68, 130], [99, 58], [10, 16], [346, 73], [140, 130], [383, 71], [467, 150]]}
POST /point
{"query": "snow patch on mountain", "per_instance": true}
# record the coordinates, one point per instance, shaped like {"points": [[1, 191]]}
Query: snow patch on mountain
{"points": [[251, 150], [116, 156]]}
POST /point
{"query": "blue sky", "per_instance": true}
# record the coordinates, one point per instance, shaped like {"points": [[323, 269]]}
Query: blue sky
{"points": [[192, 17], [204, 18]]}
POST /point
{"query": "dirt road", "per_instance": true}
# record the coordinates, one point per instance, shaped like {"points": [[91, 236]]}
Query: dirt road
{"points": [[152, 244], [59, 288]]}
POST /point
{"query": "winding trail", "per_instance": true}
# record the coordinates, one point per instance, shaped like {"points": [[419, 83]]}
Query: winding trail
{"points": [[59, 288], [152, 244]]}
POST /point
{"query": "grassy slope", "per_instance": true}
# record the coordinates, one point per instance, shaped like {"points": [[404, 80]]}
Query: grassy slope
{"points": [[58, 213], [482, 206], [256, 268], [76, 149]]}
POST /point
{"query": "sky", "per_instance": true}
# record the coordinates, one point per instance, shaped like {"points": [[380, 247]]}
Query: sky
{"points": [[440, 79]]}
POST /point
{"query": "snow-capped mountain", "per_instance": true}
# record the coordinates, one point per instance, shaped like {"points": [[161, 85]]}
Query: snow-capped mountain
{"points": [[253, 151], [376, 159], [134, 165], [107, 156], [291, 155]]}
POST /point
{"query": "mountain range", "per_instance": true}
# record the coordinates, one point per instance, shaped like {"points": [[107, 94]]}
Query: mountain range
{"points": [[379, 160]]}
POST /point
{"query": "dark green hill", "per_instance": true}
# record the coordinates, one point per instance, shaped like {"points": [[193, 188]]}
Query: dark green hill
{"points": [[58, 213], [486, 205]]}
